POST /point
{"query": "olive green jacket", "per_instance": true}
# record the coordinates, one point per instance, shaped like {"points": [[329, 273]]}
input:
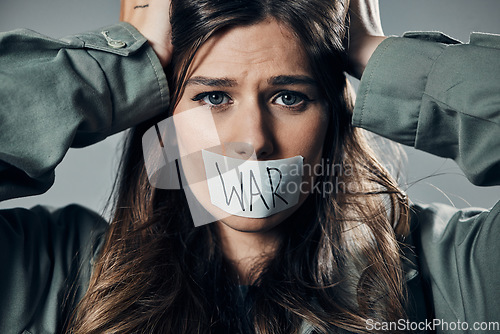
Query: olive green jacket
{"points": [[424, 90]]}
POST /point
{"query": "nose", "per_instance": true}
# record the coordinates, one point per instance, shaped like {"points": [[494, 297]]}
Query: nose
{"points": [[251, 132]]}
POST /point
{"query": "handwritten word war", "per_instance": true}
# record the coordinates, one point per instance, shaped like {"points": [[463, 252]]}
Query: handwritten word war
{"points": [[252, 188]]}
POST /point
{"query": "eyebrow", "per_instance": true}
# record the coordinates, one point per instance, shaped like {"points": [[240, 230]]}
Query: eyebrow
{"points": [[280, 80], [283, 80], [212, 82]]}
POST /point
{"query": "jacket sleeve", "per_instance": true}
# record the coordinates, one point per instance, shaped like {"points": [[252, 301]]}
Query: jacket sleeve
{"points": [[57, 94], [438, 95], [46, 259]]}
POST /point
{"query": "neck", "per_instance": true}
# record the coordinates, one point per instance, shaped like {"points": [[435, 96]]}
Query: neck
{"points": [[244, 250]]}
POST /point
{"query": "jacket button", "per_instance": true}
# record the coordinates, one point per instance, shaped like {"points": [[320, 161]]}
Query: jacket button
{"points": [[117, 44], [114, 43]]}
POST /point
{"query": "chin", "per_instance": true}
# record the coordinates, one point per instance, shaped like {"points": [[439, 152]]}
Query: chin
{"points": [[256, 225]]}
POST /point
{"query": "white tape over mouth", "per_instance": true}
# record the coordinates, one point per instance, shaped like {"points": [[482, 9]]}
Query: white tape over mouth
{"points": [[253, 189]]}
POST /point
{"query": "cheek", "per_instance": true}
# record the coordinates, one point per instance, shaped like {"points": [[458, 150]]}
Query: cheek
{"points": [[308, 136]]}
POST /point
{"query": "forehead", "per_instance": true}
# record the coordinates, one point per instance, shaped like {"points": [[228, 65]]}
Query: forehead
{"points": [[266, 48]]}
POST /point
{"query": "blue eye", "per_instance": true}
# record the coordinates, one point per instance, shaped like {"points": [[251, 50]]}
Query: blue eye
{"points": [[291, 99], [288, 99], [213, 98]]}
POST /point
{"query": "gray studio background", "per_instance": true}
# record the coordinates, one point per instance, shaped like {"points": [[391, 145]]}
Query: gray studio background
{"points": [[86, 175]]}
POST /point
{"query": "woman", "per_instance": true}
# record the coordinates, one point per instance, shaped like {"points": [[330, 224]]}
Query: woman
{"points": [[331, 263], [268, 53]]}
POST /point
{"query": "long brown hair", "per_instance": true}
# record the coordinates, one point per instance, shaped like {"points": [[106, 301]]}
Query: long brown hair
{"points": [[339, 263]]}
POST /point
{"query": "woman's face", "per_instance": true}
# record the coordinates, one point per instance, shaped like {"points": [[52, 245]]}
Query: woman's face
{"points": [[256, 83]]}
